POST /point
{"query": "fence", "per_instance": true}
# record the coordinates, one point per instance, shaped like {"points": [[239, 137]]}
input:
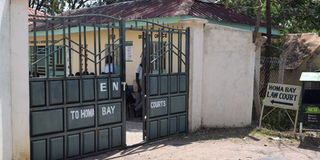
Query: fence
{"points": [[269, 73], [272, 71]]}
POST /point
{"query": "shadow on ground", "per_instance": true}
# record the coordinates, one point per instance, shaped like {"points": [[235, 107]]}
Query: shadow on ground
{"points": [[221, 133], [310, 143], [182, 139]]}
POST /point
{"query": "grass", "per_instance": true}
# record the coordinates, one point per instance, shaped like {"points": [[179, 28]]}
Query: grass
{"points": [[237, 134], [275, 133]]}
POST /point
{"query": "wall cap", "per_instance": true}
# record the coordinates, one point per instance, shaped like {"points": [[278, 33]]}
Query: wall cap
{"points": [[194, 20]]}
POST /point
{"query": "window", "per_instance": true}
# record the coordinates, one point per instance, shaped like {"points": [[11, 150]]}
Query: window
{"points": [[38, 60]]}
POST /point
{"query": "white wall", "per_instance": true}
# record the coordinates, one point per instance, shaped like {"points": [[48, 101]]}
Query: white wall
{"points": [[20, 79], [196, 71], [228, 74], [5, 87], [14, 90], [222, 61]]}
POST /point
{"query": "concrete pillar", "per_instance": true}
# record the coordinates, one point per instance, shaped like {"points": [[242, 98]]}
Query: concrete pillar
{"points": [[196, 71], [14, 94], [20, 79], [5, 82]]}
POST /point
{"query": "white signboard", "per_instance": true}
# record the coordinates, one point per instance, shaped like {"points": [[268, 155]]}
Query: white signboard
{"points": [[129, 53], [282, 96]]}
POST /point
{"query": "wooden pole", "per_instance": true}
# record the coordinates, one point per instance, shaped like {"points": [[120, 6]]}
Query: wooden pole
{"points": [[258, 44], [268, 45], [261, 116], [296, 121]]}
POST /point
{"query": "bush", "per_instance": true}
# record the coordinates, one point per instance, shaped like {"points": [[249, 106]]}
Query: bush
{"points": [[278, 119]]}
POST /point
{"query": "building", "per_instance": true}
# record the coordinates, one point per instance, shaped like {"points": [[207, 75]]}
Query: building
{"points": [[222, 42], [214, 22], [222, 60], [172, 13], [300, 53]]}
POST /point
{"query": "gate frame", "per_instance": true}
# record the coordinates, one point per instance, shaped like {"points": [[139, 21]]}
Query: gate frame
{"points": [[67, 25]]}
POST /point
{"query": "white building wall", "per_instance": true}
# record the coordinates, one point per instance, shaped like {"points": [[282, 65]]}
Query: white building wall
{"points": [[228, 77], [14, 90], [5, 87]]}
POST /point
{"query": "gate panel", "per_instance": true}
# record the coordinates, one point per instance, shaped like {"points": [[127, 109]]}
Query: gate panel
{"points": [[73, 91], [166, 74], [76, 108], [48, 121], [56, 92]]}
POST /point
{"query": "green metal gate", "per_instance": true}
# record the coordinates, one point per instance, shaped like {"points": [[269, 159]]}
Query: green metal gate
{"points": [[81, 111], [166, 79], [57, 64], [77, 72]]}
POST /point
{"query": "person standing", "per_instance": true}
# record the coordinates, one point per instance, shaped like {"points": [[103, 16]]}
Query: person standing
{"points": [[110, 66], [139, 71], [139, 75]]}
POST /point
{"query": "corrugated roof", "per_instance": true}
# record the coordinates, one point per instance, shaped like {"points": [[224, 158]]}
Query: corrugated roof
{"points": [[167, 8], [300, 47], [33, 12], [219, 12]]}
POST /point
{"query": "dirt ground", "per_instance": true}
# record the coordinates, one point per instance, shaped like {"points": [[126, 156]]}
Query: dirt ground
{"points": [[219, 144]]}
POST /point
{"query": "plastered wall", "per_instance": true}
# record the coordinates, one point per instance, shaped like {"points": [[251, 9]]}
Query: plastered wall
{"points": [[14, 94], [228, 74], [5, 87]]}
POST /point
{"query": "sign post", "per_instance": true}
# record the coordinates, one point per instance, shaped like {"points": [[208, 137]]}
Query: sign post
{"points": [[282, 96]]}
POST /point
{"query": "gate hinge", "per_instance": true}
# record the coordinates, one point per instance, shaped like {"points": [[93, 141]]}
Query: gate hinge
{"points": [[124, 85]]}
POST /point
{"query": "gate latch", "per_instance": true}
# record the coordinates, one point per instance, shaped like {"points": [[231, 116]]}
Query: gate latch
{"points": [[124, 85]]}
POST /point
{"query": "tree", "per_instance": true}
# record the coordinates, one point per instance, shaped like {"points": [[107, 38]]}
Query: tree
{"points": [[294, 16], [58, 6], [48, 6], [291, 16]]}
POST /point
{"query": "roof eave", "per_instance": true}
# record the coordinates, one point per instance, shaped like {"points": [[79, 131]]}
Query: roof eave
{"points": [[176, 19]]}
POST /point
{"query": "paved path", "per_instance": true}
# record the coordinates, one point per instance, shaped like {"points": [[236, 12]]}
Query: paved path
{"points": [[134, 133], [246, 147]]}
